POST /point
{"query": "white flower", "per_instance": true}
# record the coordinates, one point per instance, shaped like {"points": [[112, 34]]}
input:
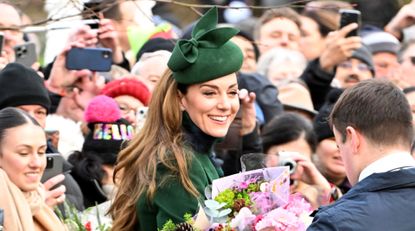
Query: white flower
{"points": [[243, 219]]}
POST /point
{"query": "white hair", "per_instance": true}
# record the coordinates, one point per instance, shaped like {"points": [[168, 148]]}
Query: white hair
{"points": [[278, 56], [162, 55]]}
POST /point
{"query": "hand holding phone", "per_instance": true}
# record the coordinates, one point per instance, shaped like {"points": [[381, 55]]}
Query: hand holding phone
{"points": [[54, 166], [94, 59], [350, 16]]}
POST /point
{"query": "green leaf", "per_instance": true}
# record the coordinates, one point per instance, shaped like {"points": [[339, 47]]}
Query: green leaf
{"points": [[169, 226]]}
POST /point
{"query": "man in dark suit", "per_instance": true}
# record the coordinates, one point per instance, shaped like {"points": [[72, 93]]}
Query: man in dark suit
{"points": [[372, 124]]}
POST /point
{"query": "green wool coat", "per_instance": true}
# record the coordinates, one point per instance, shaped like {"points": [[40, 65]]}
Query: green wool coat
{"points": [[171, 200]]}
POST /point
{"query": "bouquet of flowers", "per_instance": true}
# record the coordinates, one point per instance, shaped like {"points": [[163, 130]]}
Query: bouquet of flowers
{"points": [[91, 219], [254, 200]]}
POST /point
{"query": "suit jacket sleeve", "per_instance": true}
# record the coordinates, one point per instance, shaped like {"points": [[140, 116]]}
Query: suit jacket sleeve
{"points": [[323, 222]]}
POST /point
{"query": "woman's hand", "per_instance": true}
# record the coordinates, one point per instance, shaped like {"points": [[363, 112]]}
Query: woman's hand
{"points": [[309, 174], [55, 196], [248, 111]]}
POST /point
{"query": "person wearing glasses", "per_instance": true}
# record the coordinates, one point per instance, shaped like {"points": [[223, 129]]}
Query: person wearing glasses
{"points": [[132, 97], [320, 72], [355, 69], [341, 64], [9, 28]]}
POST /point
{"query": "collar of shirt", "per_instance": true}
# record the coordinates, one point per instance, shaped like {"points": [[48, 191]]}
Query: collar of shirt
{"points": [[387, 163]]}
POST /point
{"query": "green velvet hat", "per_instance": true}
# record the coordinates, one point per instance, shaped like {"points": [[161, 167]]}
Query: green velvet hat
{"points": [[208, 54]]}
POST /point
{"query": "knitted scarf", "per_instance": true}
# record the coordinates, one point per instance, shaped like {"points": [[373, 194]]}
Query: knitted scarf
{"points": [[25, 211]]}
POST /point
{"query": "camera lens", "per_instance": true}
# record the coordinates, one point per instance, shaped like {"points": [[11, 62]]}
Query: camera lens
{"points": [[49, 162], [290, 163], [106, 54]]}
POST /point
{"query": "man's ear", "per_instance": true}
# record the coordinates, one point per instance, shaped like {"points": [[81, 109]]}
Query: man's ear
{"points": [[354, 137], [181, 100]]}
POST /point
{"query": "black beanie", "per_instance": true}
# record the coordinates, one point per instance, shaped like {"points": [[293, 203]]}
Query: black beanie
{"points": [[105, 139], [20, 85], [320, 123]]}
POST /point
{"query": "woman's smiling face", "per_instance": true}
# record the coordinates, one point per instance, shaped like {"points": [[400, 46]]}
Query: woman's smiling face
{"points": [[23, 156], [212, 105]]}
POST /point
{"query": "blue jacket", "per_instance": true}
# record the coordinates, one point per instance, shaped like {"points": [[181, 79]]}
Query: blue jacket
{"points": [[382, 201]]}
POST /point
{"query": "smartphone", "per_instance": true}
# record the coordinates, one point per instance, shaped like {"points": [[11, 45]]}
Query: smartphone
{"points": [[350, 16], [94, 59], [25, 54], [54, 166]]}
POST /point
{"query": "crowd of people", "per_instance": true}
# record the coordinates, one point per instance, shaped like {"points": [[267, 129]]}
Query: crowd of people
{"points": [[179, 107]]}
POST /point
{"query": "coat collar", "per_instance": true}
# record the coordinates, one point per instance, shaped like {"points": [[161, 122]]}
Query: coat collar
{"points": [[195, 137]]}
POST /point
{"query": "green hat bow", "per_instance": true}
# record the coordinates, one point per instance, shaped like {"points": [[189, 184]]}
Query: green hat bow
{"points": [[190, 58]]}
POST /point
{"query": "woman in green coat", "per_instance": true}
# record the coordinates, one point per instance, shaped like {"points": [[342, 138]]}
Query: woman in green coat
{"points": [[163, 172]]}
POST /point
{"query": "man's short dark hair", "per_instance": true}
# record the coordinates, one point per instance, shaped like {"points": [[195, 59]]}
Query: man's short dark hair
{"points": [[376, 108]]}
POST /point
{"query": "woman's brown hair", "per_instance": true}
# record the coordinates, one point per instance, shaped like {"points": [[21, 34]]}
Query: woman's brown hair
{"points": [[160, 142]]}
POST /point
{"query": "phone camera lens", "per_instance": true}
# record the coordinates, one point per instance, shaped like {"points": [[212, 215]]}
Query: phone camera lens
{"points": [[49, 162], [106, 54]]}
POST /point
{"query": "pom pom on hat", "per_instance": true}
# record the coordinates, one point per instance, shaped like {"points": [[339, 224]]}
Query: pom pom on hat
{"points": [[131, 87], [107, 129], [102, 109]]}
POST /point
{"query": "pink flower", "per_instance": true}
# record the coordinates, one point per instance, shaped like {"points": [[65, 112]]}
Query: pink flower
{"points": [[281, 220], [262, 202], [298, 205], [244, 184]]}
